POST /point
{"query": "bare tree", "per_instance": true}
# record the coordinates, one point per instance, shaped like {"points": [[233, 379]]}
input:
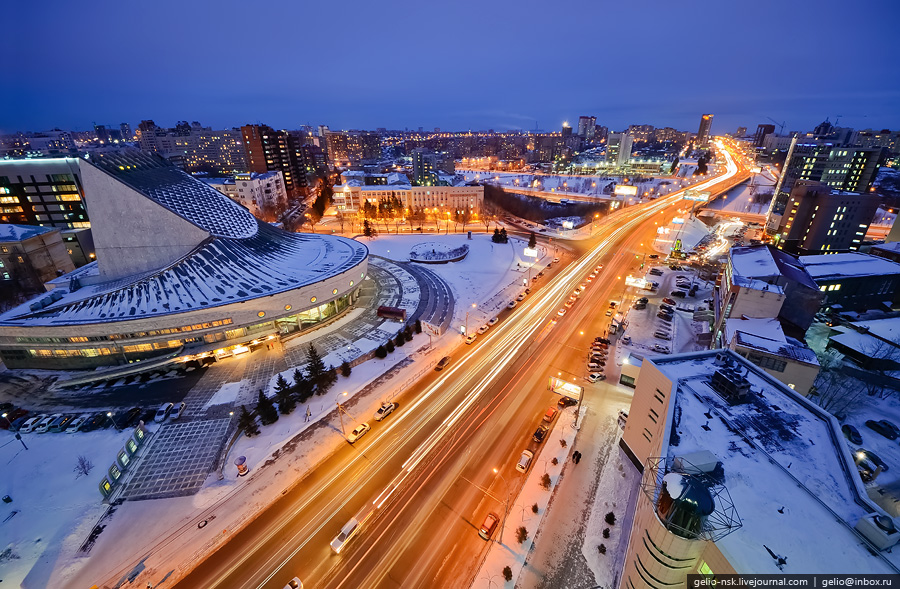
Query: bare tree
{"points": [[83, 466]]}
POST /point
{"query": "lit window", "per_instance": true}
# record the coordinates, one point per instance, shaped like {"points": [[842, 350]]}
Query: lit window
{"points": [[287, 307]]}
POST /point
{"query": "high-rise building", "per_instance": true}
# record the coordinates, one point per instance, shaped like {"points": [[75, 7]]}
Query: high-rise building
{"points": [[818, 220], [125, 130], [586, 127], [566, 129], [618, 149], [741, 132], [102, 133], [424, 170], [271, 150], [195, 148], [761, 132], [642, 133], [703, 132]]}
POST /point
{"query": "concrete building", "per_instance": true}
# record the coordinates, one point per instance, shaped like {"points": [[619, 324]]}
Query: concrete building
{"points": [[854, 281], [351, 196], [763, 282], [31, 256], [269, 150], [874, 345], [618, 149], [762, 131], [819, 220], [741, 475], [586, 127], [424, 168], [762, 342], [195, 148], [261, 194], [703, 132], [220, 278], [642, 133]]}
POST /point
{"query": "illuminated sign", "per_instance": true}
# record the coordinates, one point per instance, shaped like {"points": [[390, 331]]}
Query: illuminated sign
{"points": [[623, 190], [691, 194], [561, 387], [755, 169], [636, 282], [677, 221], [530, 253], [568, 225]]}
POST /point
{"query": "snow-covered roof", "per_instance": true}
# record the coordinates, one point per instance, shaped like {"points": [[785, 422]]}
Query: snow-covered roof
{"points": [[893, 246], [11, 232], [886, 329], [769, 328], [217, 181], [181, 193], [838, 266], [219, 272], [787, 470], [753, 262], [766, 335]]}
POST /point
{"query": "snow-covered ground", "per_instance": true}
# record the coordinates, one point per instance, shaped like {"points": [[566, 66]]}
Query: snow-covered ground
{"points": [[740, 198], [690, 231], [599, 186]]}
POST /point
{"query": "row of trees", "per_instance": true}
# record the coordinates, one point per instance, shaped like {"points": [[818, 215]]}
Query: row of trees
{"points": [[537, 209], [391, 213]]}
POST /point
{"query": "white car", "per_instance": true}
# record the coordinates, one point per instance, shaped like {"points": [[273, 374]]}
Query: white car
{"points": [[32, 423], [493, 321], [294, 583], [178, 410], [660, 348], [163, 412], [470, 338], [592, 275], [512, 305], [555, 260], [561, 312], [76, 424], [359, 432], [594, 366], [44, 425], [595, 376], [524, 460], [483, 329], [385, 410], [521, 297]]}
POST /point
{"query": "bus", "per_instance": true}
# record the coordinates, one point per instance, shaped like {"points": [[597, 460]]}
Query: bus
{"points": [[392, 313]]}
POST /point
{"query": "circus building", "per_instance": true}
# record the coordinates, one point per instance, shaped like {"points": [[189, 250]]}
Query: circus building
{"points": [[180, 270]]}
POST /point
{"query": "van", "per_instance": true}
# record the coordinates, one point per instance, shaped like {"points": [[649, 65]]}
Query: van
{"points": [[349, 530], [44, 425]]}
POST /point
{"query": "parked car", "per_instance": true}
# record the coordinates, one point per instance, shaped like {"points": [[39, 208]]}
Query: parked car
{"points": [[130, 418], [512, 305], [31, 423], [655, 272], [851, 433], [609, 312], [664, 316], [890, 425], [594, 366], [44, 425], [95, 421], [550, 414], [163, 412], [561, 312], [493, 321], [626, 339], [11, 416], [470, 338], [442, 363], [358, 432], [653, 256], [483, 328], [669, 301], [660, 348], [601, 340], [665, 307], [595, 376], [385, 410], [60, 424], [489, 526], [17, 424], [569, 303], [540, 433], [524, 460], [868, 454], [521, 297], [678, 293], [882, 429], [565, 401], [178, 410]]}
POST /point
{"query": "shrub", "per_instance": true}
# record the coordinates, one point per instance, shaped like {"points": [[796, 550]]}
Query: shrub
{"points": [[83, 466], [545, 481], [562, 442], [521, 534], [507, 574], [390, 346], [610, 518], [400, 339], [602, 548], [555, 461], [345, 369], [418, 326], [381, 352], [534, 508], [606, 532]]}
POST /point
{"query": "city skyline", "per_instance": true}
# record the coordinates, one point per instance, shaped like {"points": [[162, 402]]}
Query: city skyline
{"points": [[210, 70]]}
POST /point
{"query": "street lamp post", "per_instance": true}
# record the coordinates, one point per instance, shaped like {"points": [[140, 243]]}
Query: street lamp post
{"points": [[110, 416], [506, 508], [341, 412], [467, 319], [18, 435]]}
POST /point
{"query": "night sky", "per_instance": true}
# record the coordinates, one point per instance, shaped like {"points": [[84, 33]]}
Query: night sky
{"points": [[455, 65]]}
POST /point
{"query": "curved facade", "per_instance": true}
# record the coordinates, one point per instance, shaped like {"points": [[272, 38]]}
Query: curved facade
{"points": [[238, 279]]}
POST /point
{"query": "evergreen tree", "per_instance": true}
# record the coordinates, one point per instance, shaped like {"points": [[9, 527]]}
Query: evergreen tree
{"points": [[496, 237], [407, 333], [400, 339], [532, 240], [315, 370], [247, 423], [418, 326], [504, 238], [285, 397], [369, 229], [281, 384], [381, 352], [303, 387], [390, 346], [329, 377], [345, 369], [265, 408]]}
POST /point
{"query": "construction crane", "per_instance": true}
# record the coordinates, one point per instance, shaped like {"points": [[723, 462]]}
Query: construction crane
{"points": [[781, 131]]}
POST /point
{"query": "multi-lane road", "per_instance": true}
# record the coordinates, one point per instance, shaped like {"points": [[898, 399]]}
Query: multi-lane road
{"points": [[425, 474]]}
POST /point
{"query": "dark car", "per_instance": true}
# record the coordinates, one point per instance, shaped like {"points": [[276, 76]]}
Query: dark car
{"points": [[565, 401], [540, 434], [667, 308], [872, 457], [851, 433], [653, 256], [890, 425], [678, 293], [96, 421], [668, 301], [882, 429], [17, 423], [443, 362], [664, 315], [130, 417], [12, 416], [601, 340]]}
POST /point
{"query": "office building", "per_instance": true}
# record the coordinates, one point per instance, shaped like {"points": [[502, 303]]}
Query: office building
{"points": [[618, 149], [740, 133], [350, 197], [764, 282], [762, 131], [346, 147], [31, 256], [424, 168], [668, 134], [819, 220], [703, 132], [181, 270], [742, 475], [854, 281], [586, 127]]}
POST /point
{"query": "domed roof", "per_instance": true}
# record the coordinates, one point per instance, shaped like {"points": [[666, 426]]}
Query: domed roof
{"points": [[684, 503]]}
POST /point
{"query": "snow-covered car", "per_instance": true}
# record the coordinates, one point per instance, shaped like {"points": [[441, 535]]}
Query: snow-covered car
{"points": [[76, 423], [44, 425], [483, 328], [524, 460], [358, 432], [385, 410], [595, 376], [178, 410], [626, 339], [493, 321], [470, 338], [555, 260], [31, 423]]}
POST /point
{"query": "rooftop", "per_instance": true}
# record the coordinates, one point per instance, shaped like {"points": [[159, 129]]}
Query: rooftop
{"points": [[787, 469], [11, 232], [837, 266], [767, 335]]}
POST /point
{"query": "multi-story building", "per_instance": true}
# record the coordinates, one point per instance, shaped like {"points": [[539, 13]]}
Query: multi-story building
{"points": [[31, 256], [424, 168], [263, 194], [642, 133], [52, 143], [764, 282], [125, 131], [270, 150], [345, 147], [742, 475], [668, 134], [848, 169], [351, 196], [762, 131], [703, 132], [854, 281], [741, 132], [586, 127], [885, 138], [819, 220], [44, 192], [618, 149], [195, 148]]}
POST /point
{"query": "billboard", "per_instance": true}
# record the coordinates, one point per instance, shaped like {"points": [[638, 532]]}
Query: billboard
{"points": [[677, 221], [561, 387], [431, 329], [624, 190], [636, 282], [568, 225], [697, 195], [530, 253]]}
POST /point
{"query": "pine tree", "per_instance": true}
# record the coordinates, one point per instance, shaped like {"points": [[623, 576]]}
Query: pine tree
{"points": [[303, 387], [381, 352], [418, 326], [286, 400], [281, 384], [390, 346], [369, 229], [345, 369], [247, 423], [407, 333], [329, 377], [265, 408], [532, 241], [400, 339], [315, 370], [496, 237], [504, 238]]}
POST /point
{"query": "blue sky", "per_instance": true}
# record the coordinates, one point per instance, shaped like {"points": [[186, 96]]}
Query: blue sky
{"points": [[454, 65]]}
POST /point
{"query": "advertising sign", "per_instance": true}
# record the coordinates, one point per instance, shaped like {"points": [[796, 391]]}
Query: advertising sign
{"points": [[530, 253], [624, 190], [430, 329], [561, 387], [697, 195], [636, 282]]}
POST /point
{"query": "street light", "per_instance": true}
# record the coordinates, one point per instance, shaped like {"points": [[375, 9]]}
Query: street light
{"points": [[506, 509], [341, 411], [467, 320], [110, 416], [18, 435]]}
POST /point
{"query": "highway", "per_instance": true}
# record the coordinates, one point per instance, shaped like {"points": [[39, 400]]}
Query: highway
{"points": [[425, 472]]}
